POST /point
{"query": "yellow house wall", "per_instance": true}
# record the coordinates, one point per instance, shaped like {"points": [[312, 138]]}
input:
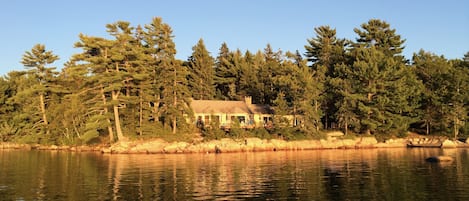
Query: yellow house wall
{"points": [[225, 119]]}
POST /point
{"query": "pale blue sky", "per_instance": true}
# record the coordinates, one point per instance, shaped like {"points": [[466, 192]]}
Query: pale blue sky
{"points": [[441, 27]]}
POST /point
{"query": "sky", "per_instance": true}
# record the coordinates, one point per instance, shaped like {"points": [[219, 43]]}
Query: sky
{"points": [[440, 27]]}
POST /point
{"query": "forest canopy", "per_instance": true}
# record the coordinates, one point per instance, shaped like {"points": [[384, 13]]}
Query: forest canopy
{"points": [[130, 85]]}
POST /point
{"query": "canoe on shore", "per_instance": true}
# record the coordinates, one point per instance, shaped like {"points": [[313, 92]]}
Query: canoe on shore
{"points": [[426, 145], [432, 142]]}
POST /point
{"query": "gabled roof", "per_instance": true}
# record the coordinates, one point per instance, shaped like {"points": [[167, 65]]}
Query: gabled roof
{"points": [[228, 107]]}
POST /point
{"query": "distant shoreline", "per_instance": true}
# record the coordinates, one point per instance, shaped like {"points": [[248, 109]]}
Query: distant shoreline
{"points": [[229, 145]]}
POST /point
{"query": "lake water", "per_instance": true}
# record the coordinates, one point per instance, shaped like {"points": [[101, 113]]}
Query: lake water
{"points": [[368, 174]]}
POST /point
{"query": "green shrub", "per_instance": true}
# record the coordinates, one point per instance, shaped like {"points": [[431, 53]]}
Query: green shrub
{"points": [[213, 133]]}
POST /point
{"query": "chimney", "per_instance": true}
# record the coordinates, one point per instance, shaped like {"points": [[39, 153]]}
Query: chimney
{"points": [[248, 100]]}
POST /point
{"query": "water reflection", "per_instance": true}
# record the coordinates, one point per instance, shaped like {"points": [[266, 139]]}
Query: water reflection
{"points": [[372, 174]]}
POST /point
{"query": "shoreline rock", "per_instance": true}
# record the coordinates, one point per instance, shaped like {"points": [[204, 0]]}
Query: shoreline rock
{"points": [[227, 145]]}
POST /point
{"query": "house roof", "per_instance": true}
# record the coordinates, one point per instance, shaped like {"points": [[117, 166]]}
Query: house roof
{"points": [[260, 109], [228, 107]]}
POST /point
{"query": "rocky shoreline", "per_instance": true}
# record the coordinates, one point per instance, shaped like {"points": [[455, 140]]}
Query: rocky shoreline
{"points": [[226, 145]]}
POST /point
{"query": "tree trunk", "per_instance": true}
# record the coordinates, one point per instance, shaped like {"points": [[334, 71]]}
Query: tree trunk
{"points": [[456, 128], [156, 106], [326, 120], [103, 96], [345, 127], [174, 101], [109, 128], [368, 131], [140, 112], [427, 125], [43, 109], [370, 98], [316, 109], [117, 122]]}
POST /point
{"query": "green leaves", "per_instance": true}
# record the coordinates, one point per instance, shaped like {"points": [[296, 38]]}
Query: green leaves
{"points": [[131, 84]]}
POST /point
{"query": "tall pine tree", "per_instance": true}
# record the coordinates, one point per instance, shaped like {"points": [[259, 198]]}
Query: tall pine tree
{"points": [[37, 61], [175, 93], [201, 68]]}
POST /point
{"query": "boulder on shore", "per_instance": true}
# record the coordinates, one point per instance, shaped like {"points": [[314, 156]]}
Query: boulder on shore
{"points": [[449, 144]]}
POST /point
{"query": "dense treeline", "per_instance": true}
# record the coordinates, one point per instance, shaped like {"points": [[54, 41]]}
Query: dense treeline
{"points": [[130, 84]]}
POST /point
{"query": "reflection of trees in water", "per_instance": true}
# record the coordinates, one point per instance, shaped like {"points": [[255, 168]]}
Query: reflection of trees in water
{"points": [[333, 184], [400, 174]]}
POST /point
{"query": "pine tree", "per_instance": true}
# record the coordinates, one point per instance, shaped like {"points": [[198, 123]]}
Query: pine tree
{"points": [[458, 99], [226, 74], [153, 55], [281, 109], [37, 61], [444, 107], [96, 57], [267, 73], [72, 111], [385, 91], [175, 93], [303, 93], [431, 70], [142, 75], [8, 127], [247, 76], [325, 51], [379, 34], [346, 102], [201, 72], [466, 59]]}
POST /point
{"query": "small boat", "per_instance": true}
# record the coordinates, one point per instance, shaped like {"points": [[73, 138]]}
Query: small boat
{"points": [[427, 145], [433, 142]]}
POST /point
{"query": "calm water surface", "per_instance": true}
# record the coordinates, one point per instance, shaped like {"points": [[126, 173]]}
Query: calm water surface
{"points": [[370, 174]]}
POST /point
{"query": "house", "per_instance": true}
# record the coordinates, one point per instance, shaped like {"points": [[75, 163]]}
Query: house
{"points": [[227, 113]]}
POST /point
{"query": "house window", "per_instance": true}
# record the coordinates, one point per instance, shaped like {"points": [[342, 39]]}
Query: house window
{"points": [[267, 122], [216, 118], [242, 120], [207, 119], [200, 123]]}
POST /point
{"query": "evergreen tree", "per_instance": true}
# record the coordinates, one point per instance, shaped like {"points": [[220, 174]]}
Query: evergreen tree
{"points": [[466, 59], [458, 99], [143, 78], [281, 109], [379, 34], [24, 116], [325, 51], [226, 74], [385, 91], [8, 127], [303, 94], [37, 61], [247, 77], [346, 101], [433, 71], [444, 108], [152, 58], [122, 73], [201, 72], [267, 73], [72, 112], [175, 92]]}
